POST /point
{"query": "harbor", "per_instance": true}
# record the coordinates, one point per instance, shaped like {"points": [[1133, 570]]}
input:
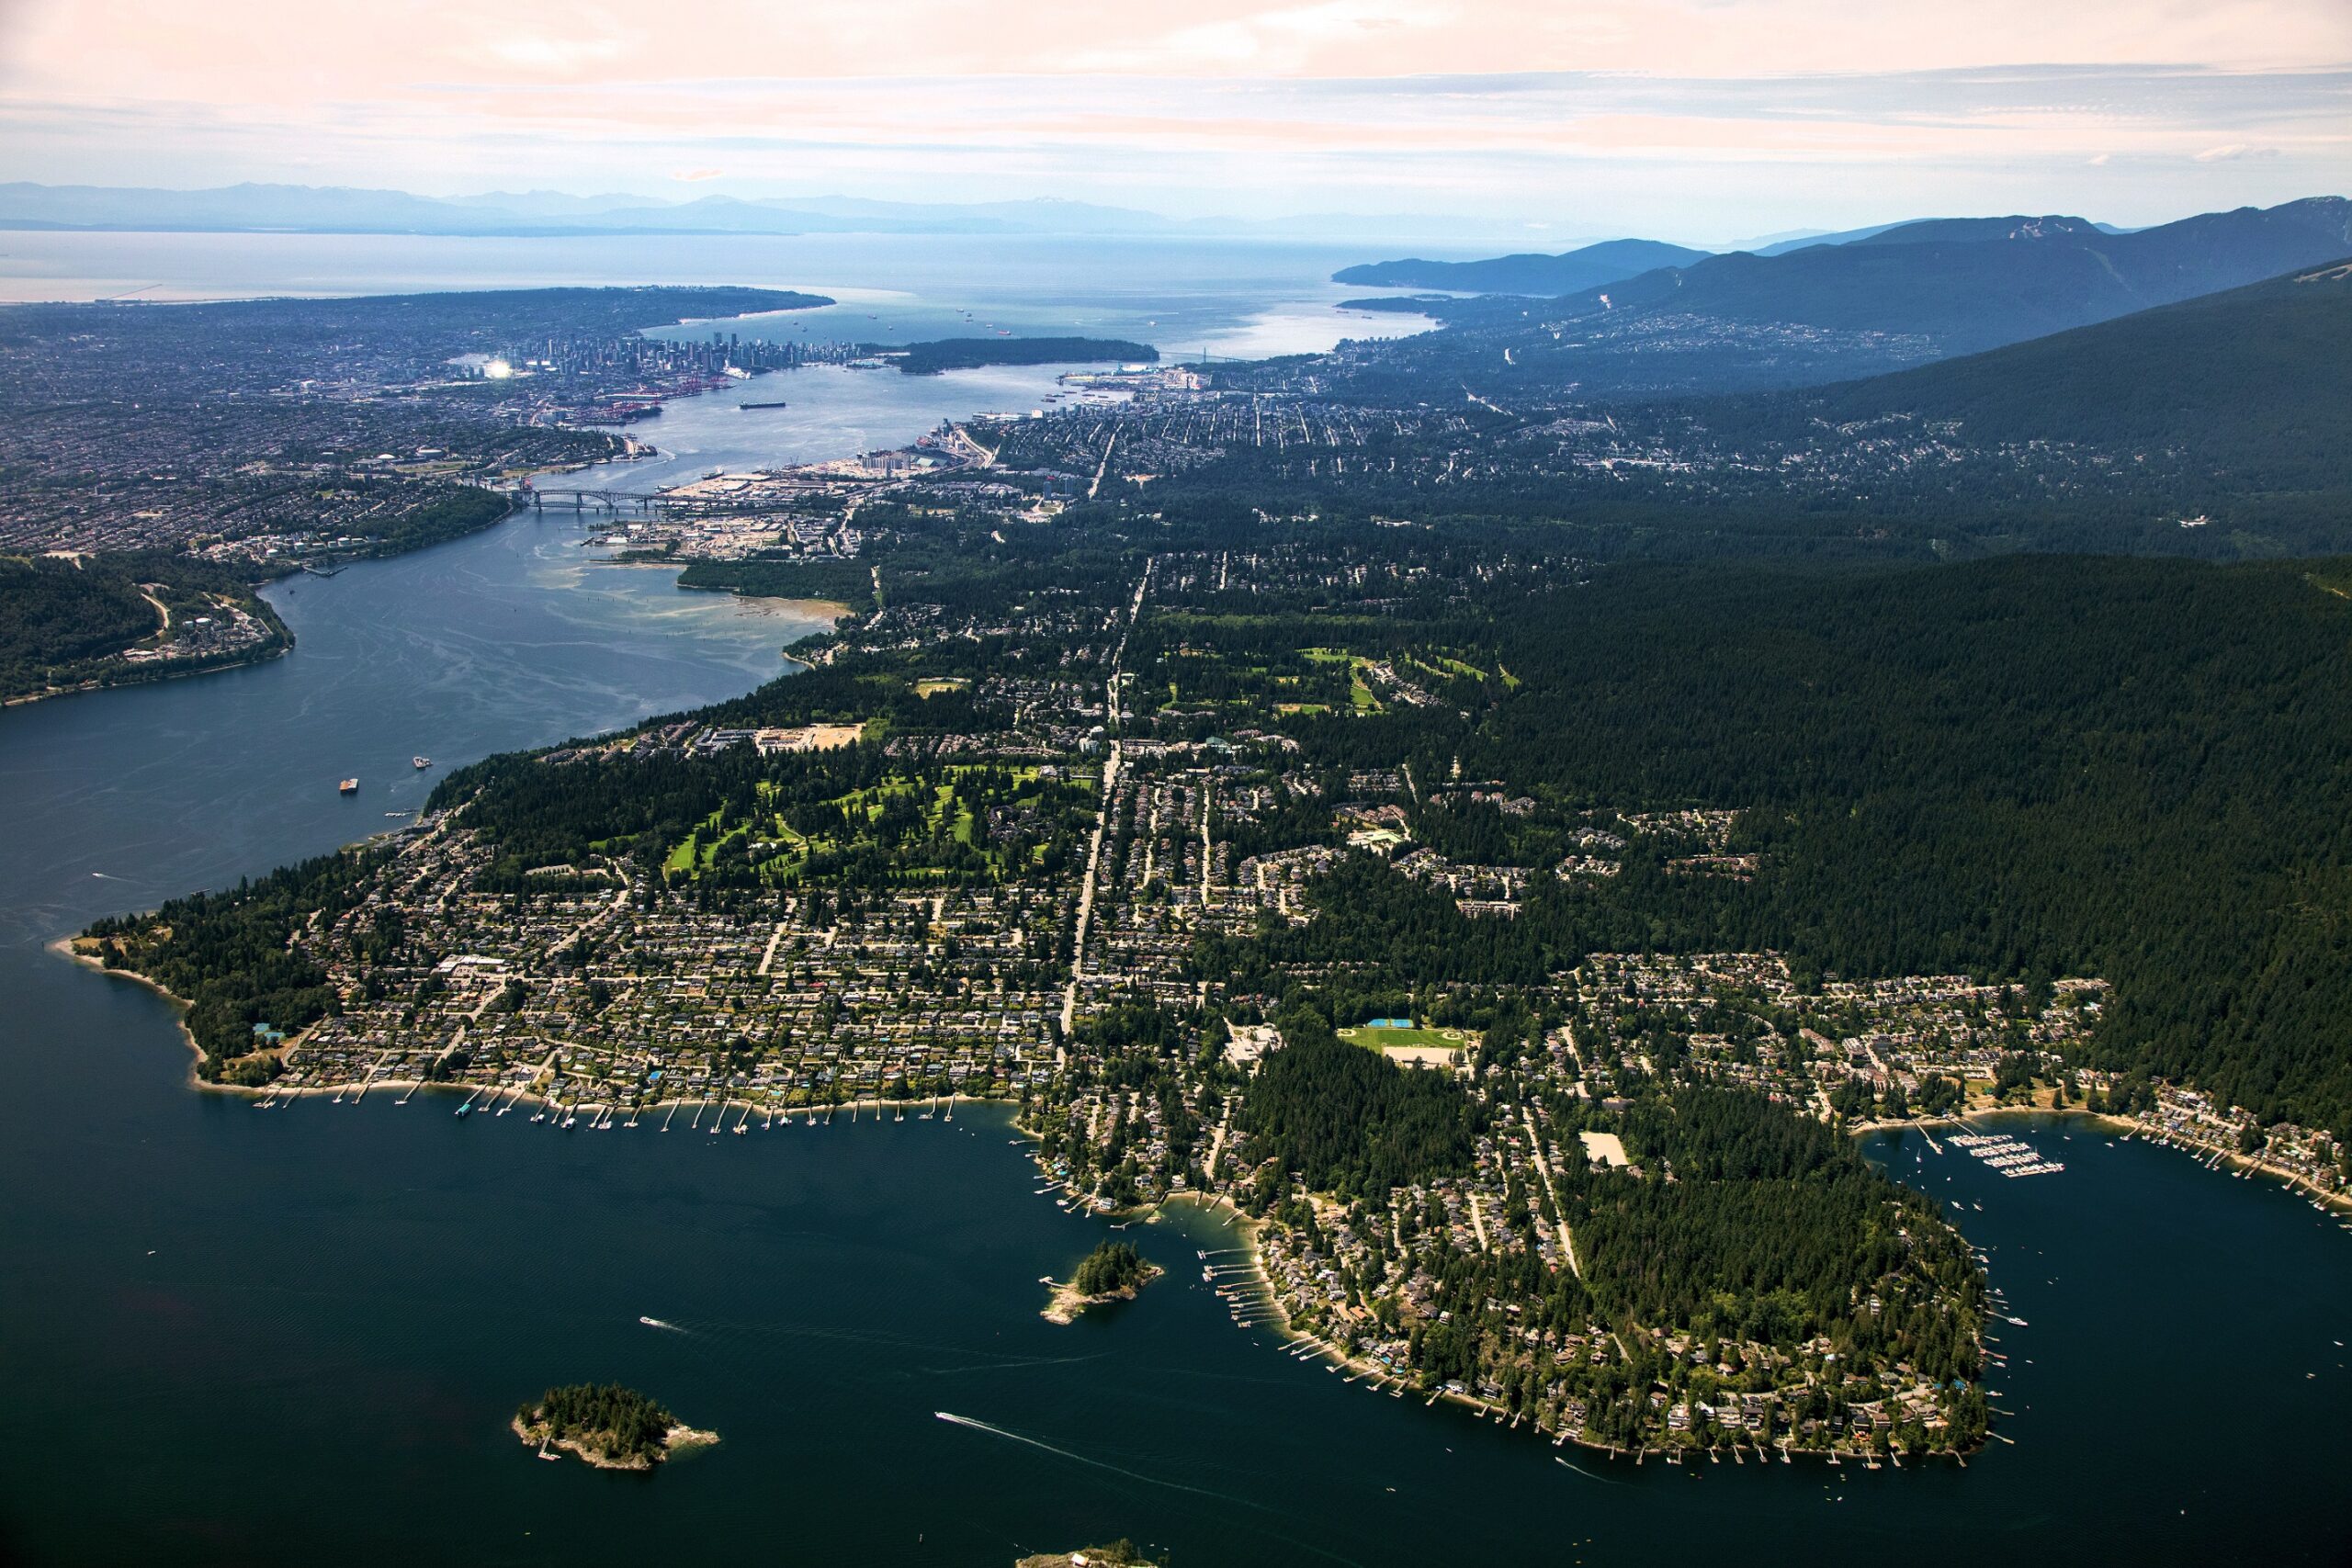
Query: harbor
{"points": [[2011, 1157]]}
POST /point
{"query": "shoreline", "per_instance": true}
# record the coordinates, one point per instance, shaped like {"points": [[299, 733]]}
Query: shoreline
{"points": [[936, 1104], [677, 1440], [153, 677], [1067, 1306], [1389, 1379], [270, 578], [64, 947], [1261, 1291], [2247, 1165]]}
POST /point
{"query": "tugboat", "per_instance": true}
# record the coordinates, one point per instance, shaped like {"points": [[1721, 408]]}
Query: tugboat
{"points": [[348, 786], [422, 763]]}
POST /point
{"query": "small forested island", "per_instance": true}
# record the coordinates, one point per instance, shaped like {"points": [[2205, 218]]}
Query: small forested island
{"points": [[610, 1427], [1120, 1553], [969, 352], [1114, 1271]]}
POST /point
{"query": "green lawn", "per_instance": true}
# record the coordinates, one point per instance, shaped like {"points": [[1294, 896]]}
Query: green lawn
{"points": [[1380, 1039]]}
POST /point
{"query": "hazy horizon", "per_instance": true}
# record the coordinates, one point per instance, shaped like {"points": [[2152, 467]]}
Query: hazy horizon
{"points": [[1705, 122]]}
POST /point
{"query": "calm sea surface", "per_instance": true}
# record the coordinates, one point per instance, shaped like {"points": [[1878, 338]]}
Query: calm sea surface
{"points": [[238, 1336], [1229, 297]]}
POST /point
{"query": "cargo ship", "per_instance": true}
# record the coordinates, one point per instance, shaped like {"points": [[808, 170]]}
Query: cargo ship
{"points": [[779, 403]]}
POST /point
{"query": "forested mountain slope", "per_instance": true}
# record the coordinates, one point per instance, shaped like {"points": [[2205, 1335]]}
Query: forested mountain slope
{"points": [[2042, 764], [2258, 378], [1972, 293], [1526, 274], [1743, 321]]}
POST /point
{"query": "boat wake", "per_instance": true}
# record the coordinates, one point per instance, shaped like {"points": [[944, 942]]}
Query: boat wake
{"points": [[1585, 1473], [979, 1426], [1306, 1546], [657, 1323]]}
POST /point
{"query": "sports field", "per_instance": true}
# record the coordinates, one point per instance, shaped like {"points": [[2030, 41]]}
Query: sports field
{"points": [[1390, 1038]]}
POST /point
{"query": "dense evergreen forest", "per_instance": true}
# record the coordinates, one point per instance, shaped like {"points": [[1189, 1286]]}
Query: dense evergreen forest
{"points": [[2029, 767], [54, 614], [62, 621], [1336, 1118], [457, 511], [1114, 1266], [619, 1424], [226, 955], [1744, 1219], [787, 576], [2257, 381]]}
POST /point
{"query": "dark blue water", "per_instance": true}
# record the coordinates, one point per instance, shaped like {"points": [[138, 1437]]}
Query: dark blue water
{"points": [[235, 1337]]}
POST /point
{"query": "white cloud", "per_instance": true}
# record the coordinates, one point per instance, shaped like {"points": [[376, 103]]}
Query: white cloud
{"points": [[1815, 112]]}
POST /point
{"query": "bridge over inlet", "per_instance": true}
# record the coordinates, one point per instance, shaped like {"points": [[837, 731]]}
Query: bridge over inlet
{"points": [[617, 503]]}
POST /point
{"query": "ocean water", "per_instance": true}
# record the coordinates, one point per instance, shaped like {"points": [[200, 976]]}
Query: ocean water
{"points": [[831, 411], [1229, 299]]}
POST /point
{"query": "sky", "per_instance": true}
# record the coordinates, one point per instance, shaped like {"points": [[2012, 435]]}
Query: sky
{"points": [[1697, 120]]}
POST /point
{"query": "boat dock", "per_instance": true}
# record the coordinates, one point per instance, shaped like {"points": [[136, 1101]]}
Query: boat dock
{"points": [[2010, 1156]]}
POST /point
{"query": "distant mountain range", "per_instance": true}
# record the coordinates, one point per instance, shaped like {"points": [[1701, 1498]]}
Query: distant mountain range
{"points": [[1954, 228], [337, 210], [1548, 276], [1973, 284], [1610, 261]]}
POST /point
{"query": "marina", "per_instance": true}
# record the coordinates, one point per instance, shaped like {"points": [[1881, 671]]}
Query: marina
{"points": [[2010, 1156]]}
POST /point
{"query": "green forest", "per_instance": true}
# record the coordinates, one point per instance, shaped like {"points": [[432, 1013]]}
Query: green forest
{"points": [[1111, 1268], [226, 955], [787, 576], [2025, 768], [615, 1423], [63, 622]]}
